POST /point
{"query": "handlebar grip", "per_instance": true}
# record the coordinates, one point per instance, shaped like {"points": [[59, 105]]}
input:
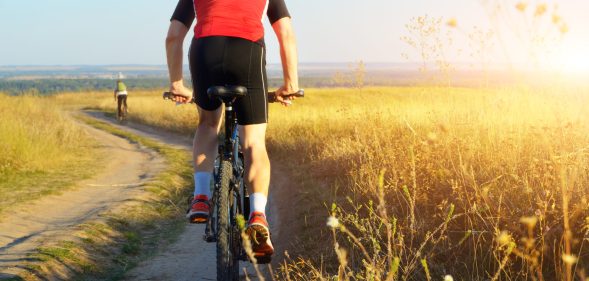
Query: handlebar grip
{"points": [[167, 95], [170, 96], [299, 94]]}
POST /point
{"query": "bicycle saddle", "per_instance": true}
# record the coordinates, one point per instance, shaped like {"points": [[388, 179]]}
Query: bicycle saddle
{"points": [[226, 92]]}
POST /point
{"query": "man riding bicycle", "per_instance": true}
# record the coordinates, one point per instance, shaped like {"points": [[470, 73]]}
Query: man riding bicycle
{"points": [[120, 95], [228, 49]]}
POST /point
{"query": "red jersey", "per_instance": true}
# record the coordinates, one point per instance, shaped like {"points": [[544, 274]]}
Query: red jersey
{"points": [[233, 18], [230, 18]]}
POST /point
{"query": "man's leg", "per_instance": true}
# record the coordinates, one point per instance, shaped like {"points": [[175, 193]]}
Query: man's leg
{"points": [[206, 139], [204, 151], [119, 102], [257, 177], [125, 103], [257, 163]]}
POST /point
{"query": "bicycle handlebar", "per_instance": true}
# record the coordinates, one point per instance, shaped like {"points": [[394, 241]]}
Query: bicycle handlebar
{"points": [[271, 96]]}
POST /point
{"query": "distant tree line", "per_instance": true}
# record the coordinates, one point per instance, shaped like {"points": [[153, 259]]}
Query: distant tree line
{"points": [[354, 78], [51, 86]]}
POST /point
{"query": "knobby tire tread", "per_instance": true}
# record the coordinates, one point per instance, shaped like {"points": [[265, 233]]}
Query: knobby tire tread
{"points": [[227, 264]]}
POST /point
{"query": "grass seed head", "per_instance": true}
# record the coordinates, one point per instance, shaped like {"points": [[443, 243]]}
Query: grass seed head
{"points": [[530, 222], [540, 10], [452, 23], [569, 259], [521, 6]]}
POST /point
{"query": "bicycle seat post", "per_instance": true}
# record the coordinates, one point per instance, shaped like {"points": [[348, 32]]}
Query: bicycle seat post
{"points": [[228, 95], [229, 126]]}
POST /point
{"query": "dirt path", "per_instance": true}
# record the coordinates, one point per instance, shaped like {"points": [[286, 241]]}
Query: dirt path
{"points": [[128, 168], [190, 258]]}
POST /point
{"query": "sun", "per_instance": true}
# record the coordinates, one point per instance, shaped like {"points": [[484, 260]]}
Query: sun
{"points": [[573, 59]]}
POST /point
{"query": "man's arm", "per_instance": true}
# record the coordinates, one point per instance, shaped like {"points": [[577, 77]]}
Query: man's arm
{"points": [[174, 53], [288, 54]]}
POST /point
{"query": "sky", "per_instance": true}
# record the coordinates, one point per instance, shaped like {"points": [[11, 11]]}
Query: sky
{"points": [[106, 32]]}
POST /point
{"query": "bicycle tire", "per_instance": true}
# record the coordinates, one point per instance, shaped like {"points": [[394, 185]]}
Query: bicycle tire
{"points": [[227, 262]]}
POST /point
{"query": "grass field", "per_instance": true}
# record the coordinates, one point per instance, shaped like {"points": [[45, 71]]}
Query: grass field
{"points": [[427, 182], [42, 150]]}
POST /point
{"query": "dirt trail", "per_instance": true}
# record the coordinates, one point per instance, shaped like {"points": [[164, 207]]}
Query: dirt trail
{"points": [[190, 258], [128, 168]]}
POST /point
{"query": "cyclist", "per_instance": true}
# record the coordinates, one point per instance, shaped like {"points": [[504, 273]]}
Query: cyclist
{"points": [[228, 49], [120, 95]]}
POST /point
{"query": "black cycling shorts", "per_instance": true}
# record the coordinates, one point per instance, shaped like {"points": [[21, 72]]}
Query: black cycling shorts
{"points": [[221, 61]]}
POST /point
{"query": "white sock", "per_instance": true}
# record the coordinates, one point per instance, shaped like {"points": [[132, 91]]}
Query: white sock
{"points": [[258, 203], [202, 183]]}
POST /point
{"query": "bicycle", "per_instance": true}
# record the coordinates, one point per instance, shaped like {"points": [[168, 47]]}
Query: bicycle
{"points": [[122, 108], [230, 200]]}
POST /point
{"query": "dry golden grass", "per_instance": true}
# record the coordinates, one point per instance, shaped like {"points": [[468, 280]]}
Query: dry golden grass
{"points": [[41, 149], [459, 167], [428, 182]]}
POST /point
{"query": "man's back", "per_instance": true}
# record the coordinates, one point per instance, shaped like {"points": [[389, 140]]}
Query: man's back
{"points": [[121, 87], [230, 18]]}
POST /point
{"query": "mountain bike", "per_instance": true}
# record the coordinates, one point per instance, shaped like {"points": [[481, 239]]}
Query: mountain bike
{"points": [[230, 200]]}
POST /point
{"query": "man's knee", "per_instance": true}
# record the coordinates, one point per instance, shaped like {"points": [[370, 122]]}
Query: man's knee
{"points": [[209, 119], [255, 150]]}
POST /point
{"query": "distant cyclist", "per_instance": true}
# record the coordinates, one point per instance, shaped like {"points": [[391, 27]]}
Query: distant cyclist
{"points": [[120, 95], [228, 49]]}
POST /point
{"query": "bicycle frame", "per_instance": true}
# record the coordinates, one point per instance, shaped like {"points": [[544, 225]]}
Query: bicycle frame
{"points": [[229, 150]]}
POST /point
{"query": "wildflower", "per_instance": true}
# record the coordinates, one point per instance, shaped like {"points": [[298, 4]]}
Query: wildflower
{"points": [[540, 10], [452, 23], [521, 6], [569, 259], [530, 222], [333, 222], [556, 19], [503, 238], [448, 277]]}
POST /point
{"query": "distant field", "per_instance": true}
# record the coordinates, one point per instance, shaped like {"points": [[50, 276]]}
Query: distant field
{"points": [[479, 184], [42, 150]]}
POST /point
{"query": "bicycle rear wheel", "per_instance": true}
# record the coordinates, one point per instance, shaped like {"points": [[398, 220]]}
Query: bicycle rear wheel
{"points": [[227, 260]]}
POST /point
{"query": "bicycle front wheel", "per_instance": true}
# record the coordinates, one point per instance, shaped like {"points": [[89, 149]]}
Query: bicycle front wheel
{"points": [[227, 261]]}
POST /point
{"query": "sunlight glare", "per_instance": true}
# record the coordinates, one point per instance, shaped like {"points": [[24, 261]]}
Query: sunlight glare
{"points": [[574, 60]]}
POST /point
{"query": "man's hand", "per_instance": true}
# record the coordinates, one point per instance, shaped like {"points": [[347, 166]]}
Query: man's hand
{"points": [[282, 95], [181, 93]]}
